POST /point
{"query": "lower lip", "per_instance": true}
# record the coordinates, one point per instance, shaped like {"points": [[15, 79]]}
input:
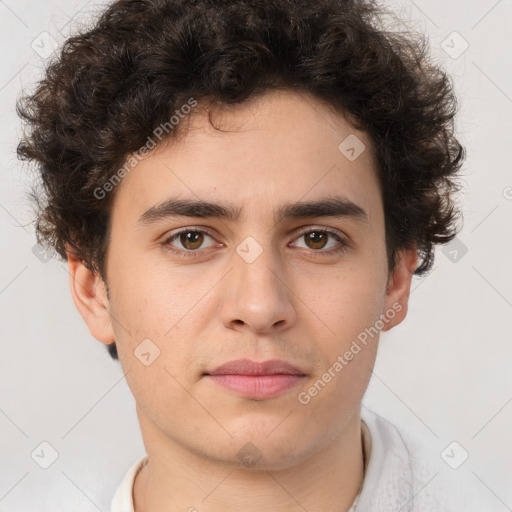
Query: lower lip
{"points": [[258, 386]]}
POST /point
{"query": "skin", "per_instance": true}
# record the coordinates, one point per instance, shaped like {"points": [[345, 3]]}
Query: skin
{"points": [[287, 304]]}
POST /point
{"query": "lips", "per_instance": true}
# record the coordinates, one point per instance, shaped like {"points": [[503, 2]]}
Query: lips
{"points": [[256, 380], [248, 367]]}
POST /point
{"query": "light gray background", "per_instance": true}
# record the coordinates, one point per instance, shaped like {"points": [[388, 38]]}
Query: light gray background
{"points": [[444, 372]]}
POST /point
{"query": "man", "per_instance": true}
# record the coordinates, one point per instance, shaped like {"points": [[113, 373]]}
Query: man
{"points": [[243, 191]]}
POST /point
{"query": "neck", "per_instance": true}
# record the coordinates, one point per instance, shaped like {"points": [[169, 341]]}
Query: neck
{"points": [[176, 479]]}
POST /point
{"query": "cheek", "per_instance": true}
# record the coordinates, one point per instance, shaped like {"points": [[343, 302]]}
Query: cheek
{"points": [[152, 300], [349, 306], [155, 345], [160, 313], [349, 299]]}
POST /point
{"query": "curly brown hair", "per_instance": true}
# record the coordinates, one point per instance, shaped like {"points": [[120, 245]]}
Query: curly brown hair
{"points": [[111, 86]]}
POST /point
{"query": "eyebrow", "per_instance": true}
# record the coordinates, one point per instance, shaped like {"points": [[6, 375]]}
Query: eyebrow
{"points": [[338, 207]]}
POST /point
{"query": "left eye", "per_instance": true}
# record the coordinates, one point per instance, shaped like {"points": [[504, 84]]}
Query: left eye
{"points": [[318, 239]]}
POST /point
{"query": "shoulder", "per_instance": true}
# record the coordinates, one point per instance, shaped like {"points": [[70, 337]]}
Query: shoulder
{"points": [[123, 497], [408, 472]]}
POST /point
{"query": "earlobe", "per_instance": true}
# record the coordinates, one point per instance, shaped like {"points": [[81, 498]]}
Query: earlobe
{"points": [[89, 294], [399, 286]]}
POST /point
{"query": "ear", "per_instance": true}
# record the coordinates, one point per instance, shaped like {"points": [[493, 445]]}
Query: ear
{"points": [[89, 294], [399, 286]]}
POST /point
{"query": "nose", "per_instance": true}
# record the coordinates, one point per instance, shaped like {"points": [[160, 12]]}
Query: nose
{"points": [[258, 295]]}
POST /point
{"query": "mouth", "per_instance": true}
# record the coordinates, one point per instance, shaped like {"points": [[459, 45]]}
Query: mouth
{"points": [[257, 380]]}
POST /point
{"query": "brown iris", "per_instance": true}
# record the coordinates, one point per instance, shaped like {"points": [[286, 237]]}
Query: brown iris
{"points": [[191, 239], [316, 239]]}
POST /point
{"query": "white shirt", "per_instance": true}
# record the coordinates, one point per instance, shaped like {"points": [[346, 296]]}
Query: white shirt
{"points": [[400, 475]]}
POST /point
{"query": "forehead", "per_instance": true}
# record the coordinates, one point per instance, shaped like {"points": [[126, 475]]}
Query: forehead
{"points": [[281, 148]]}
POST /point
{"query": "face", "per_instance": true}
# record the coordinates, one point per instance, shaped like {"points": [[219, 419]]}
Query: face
{"points": [[190, 290]]}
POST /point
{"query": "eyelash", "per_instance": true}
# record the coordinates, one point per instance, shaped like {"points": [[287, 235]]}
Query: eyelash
{"points": [[314, 253]]}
